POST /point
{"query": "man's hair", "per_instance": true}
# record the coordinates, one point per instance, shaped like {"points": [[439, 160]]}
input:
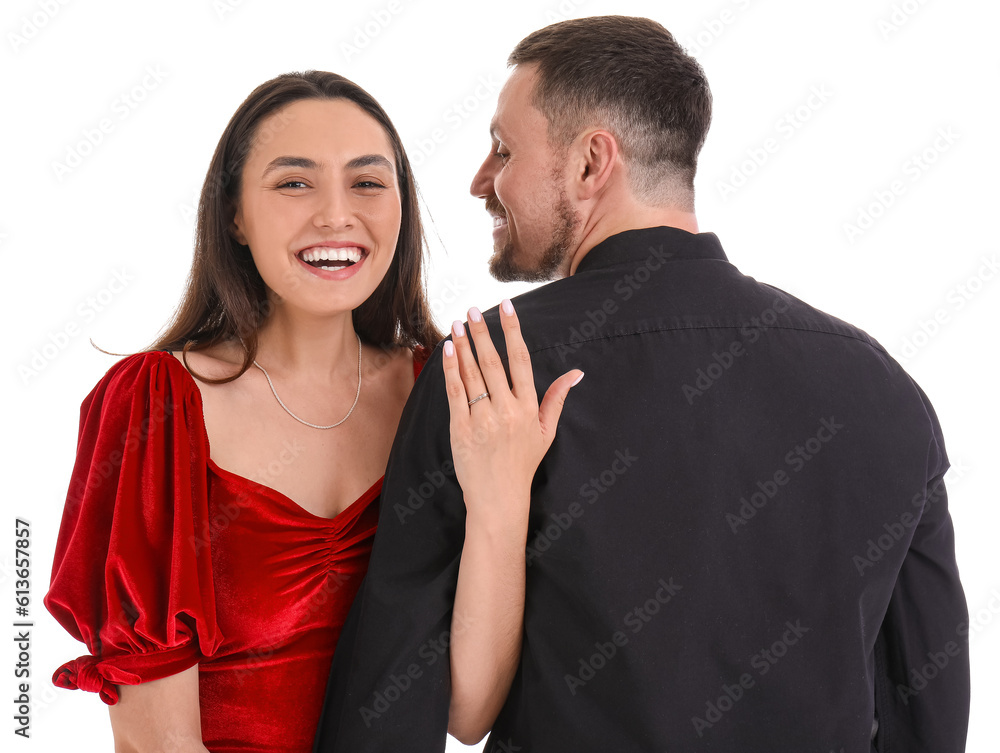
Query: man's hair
{"points": [[630, 76]]}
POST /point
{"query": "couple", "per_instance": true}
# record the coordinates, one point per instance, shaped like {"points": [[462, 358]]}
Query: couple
{"points": [[739, 539]]}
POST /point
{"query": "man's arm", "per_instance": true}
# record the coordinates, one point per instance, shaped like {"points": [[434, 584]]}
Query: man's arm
{"points": [[498, 434], [390, 683], [922, 650]]}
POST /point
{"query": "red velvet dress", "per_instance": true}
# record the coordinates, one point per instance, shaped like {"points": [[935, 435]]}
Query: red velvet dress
{"points": [[164, 561]]}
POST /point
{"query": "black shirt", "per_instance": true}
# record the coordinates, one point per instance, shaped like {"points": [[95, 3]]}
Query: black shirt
{"points": [[739, 540]]}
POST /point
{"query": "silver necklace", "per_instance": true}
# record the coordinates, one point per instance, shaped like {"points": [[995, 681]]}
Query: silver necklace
{"points": [[316, 426]]}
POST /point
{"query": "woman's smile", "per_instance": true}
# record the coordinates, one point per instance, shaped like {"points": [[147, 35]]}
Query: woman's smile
{"points": [[336, 260], [320, 204]]}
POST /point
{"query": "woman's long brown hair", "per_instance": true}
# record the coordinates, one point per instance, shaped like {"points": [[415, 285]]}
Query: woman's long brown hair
{"points": [[226, 298]]}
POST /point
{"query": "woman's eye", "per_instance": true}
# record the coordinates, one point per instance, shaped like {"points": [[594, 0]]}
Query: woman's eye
{"points": [[292, 184], [502, 155], [369, 184]]}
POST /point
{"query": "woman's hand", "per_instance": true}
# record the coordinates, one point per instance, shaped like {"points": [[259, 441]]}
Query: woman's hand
{"points": [[499, 435]]}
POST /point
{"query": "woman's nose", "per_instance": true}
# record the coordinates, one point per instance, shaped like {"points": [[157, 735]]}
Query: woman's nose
{"points": [[334, 209]]}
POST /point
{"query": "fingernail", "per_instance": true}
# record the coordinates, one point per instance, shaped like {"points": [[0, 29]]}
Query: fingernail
{"points": [[458, 329], [449, 348], [475, 314], [507, 306], [578, 379]]}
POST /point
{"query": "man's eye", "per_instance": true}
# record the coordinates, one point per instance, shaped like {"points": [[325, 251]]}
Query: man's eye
{"points": [[502, 155]]}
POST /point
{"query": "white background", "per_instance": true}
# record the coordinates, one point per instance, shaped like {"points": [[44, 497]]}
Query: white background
{"points": [[895, 75]]}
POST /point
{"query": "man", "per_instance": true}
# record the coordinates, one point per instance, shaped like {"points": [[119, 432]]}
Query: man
{"points": [[739, 540]]}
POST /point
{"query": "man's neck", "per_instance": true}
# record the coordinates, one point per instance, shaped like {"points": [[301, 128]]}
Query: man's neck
{"points": [[638, 218]]}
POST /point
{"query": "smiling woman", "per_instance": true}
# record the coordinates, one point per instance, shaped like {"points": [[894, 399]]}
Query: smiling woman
{"points": [[213, 540], [302, 143], [308, 261]]}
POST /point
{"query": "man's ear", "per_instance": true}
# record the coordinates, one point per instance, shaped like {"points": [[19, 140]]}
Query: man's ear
{"points": [[597, 157]]}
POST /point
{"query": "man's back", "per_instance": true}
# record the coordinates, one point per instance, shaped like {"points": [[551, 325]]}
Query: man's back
{"points": [[720, 526], [738, 541]]}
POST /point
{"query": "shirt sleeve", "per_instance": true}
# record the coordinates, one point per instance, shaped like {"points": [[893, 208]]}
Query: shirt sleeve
{"points": [[390, 684], [922, 685], [132, 577]]}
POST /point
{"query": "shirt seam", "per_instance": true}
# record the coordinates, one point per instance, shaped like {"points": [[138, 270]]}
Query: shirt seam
{"points": [[576, 342]]}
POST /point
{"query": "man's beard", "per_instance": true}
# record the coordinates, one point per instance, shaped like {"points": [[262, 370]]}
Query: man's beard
{"points": [[505, 269]]}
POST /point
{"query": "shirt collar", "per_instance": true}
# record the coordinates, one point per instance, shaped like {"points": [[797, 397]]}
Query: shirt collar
{"points": [[668, 243]]}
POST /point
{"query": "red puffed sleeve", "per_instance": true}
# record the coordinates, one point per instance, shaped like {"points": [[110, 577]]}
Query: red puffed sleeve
{"points": [[132, 574]]}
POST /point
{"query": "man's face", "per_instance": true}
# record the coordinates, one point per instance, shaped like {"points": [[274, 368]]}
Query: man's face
{"points": [[523, 182]]}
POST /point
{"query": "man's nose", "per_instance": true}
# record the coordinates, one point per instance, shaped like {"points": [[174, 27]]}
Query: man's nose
{"points": [[482, 183]]}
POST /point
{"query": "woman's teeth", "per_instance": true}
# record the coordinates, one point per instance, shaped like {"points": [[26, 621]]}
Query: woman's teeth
{"points": [[339, 257], [352, 254]]}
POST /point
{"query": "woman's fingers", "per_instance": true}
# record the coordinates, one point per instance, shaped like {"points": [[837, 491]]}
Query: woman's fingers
{"points": [[498, 445], [471, 376], [484, 372], [552, 404], [490, 367], [518, 357], [457, 396]]}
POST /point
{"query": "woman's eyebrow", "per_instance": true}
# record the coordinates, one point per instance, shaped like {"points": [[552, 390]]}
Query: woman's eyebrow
{"points": [[287, 161], [369, 160], [365, 160]]}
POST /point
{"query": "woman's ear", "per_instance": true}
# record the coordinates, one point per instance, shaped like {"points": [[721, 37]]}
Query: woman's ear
{"points": [[236, 229]]}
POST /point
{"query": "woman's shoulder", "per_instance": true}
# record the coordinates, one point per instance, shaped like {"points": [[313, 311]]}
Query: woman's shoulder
{"points": [[167, 368], [142, 384], [151, 368]]}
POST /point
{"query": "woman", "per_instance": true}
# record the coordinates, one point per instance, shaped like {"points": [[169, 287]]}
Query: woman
{"points": [[224, 499]]}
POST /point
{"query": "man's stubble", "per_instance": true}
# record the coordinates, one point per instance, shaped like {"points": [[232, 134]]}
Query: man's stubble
{"points": [[554, 260]]}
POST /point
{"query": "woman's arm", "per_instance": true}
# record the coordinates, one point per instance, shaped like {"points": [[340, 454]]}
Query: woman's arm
{"points": [[486, 624], [161, 716], [497, 444]]}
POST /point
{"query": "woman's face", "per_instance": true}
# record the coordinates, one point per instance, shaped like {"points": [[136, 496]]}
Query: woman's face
{"points": [[320, 205]]}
